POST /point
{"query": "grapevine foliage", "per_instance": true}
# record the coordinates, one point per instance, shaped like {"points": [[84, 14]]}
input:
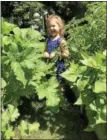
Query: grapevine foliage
{"points": [[23, 66], [87, 72], [8, 116], [24, 70]]}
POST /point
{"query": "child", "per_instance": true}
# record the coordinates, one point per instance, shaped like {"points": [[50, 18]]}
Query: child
{"points": [[56, 44]]}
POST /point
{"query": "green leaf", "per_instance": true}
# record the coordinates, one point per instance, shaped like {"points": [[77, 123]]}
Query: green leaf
{"points": [[88, 97], [89, 62], [79, 101], [103, 69], [6, 40], [92, 120], [74, 72], [28, 64], [10, 114], [99, 58], [84, 55], [9, 133], [18, 71], [5, 60], [100, 86], [7, 27], [34, 35], [17, 32], [23, 127], [3, 83], [101, 118], [30, 34], [26, 127], [101, 110], [100, 130], [41, 91], [92, 106], [43, 67], [82, 83], [33, 127], [104, 53], [29, 58], [49, 90], [13, 47], [69, 76], [13, 113], [5, 119]]}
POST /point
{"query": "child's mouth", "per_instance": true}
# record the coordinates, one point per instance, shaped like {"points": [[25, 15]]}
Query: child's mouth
{"points": [[53, 31]]}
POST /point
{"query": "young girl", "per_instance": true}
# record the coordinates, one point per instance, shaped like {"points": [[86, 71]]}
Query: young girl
{"points": [[56, 44]]}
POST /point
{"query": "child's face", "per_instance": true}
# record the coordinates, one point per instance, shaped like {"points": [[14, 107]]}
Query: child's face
{"points": [[53, 28]]}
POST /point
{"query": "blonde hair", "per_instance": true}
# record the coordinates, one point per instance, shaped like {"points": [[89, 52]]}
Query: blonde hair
{"points": [[59, 21]]}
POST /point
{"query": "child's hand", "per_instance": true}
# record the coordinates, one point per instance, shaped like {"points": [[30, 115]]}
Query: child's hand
{"points": [[46, 55], [52, 55]]}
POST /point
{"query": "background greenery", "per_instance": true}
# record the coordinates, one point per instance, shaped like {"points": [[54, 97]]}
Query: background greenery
{"points": [[32, 104]]}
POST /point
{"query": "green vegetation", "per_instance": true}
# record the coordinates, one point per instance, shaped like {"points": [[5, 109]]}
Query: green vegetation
{"points": [[32, 103], [88, 70]]}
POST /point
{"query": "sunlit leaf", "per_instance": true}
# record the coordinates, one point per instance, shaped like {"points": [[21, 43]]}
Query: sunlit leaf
{"points": [[3, 83], [33, 127], [79, 101], [9, 133], [18, 71], [100, 86], [23, 127]]}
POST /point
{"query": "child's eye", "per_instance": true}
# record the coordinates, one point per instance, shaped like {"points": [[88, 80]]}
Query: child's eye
{"points": [[53, 26]]}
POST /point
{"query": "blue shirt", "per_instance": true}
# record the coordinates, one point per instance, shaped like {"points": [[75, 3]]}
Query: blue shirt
{"points": [[52, 45]]}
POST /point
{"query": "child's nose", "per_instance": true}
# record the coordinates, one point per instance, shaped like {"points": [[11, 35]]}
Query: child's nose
{"points": [[51, 28]]}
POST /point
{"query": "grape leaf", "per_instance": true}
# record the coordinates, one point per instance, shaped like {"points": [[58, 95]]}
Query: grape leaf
{"points": [[13, 113], [100, 86], [22, 127], [33, 127], [18, 71], [3, 83], [49, 90], [9, 133]]}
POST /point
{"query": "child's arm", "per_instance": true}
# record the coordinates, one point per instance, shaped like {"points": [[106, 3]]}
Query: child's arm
{"points": [[64, 48]]}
